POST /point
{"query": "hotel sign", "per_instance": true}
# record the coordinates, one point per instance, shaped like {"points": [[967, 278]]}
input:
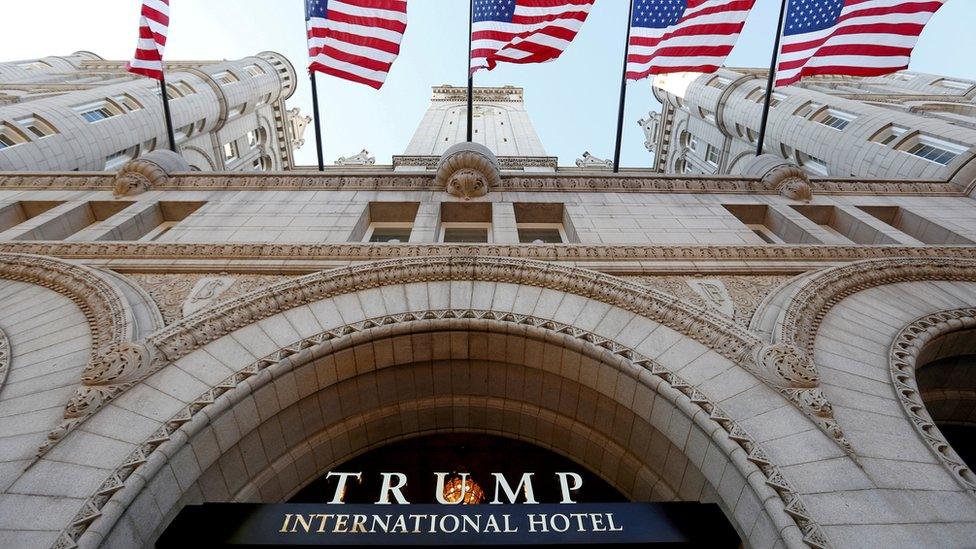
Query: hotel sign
{"points": [[511, 516]]}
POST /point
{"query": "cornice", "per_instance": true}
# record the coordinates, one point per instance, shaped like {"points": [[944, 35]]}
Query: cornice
{"points": [[547, 252], [377, 180]]}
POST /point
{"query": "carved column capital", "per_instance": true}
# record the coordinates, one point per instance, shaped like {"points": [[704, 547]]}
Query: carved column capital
{"points": [[146, 172]]}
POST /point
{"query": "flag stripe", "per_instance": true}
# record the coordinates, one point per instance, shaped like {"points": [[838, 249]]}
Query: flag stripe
{"points": [[153, 28], [683, 36], [356, 40], [851, 37], [531, 31]]}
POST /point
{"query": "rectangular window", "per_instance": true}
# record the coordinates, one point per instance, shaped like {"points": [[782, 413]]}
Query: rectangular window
{"points": [[543, 223], [770, 225], [390, 233], [807, 109], [128, 102], [34, 65], [152, 223], [94, 112], [712, 155], [75, 220], [14, 214], [953, 84], [693, 143], [237, 111], [835, 119], [916, 226], [252, 138], [390, 222], [934, 150], [719, 82], [465, 222], [230, 151], [812, 164], [466, 233], [183, 132], [254, 70], [185, 88], [889, 134], [225, 77], [843, 225], [118, 159], [9, 136]]}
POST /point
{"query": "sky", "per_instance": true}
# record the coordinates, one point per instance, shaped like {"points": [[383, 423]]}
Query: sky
{"points": [[572, 101]]}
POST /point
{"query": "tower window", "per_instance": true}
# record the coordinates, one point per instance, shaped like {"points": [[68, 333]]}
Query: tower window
{"points": [[36, 126], [933, 150], [94, 112], [254, 70], [225, 78], [835, 119], [10, 137], [889, 134]]}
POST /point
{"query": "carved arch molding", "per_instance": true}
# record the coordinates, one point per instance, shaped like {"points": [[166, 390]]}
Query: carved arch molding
{"points": [[905, 352], [177, 430], [784, 368], [4, 357]]}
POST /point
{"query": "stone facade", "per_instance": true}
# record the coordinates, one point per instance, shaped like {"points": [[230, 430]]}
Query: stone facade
{"points": [[83, 113], [788, 347], [900, 126]]}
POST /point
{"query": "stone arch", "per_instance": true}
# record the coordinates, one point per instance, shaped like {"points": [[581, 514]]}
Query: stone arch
{"points": [[918, 343], [243, 399], [272, 329]]}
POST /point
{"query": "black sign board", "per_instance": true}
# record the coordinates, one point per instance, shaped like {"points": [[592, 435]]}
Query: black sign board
{"points": [[676, 524]]}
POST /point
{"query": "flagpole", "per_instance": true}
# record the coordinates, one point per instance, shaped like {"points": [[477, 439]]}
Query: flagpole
{"points": [[470, 73], [771, 78], [315, 115], [315, 100], [166, 113], [623, 92]]}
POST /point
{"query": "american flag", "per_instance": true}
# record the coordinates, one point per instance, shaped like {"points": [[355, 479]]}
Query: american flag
{"points": [[357, 40], [523, 31], [683, 35], [153, 26], [850, 37]]}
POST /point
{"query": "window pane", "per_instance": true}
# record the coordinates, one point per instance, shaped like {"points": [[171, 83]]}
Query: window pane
{"points": [[394, 235], [539, 236], [458, 234]]}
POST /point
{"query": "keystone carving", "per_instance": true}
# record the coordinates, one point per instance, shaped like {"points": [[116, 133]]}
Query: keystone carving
{"points": [[146, 172], [468, 170], [790, 181]]}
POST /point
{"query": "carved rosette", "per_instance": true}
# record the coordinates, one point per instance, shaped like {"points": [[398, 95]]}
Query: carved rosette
{"points": [[468, 170]]}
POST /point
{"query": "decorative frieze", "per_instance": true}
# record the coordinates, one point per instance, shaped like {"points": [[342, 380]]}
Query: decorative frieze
{"points": [[548, 252], [385, 179]]}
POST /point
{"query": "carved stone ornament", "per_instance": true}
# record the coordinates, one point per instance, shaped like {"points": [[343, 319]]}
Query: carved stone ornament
{"points": [[790, 181], [588, 161], [468, 170], [788, 366], [361, 159], [651, 126], [205, 292], [713, 293], [148, 171], [780, 175]]}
